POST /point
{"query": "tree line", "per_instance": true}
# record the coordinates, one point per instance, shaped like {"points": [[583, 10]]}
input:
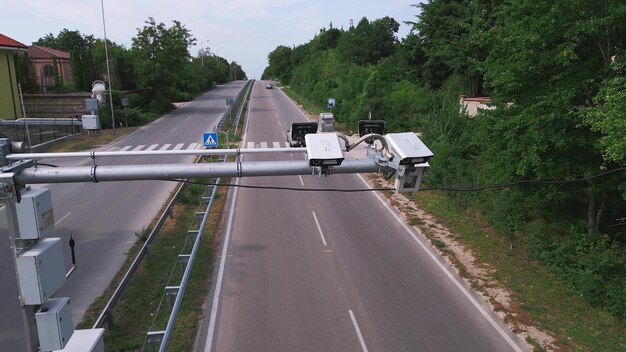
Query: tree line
{"points": [[553, 70], [158, 65]]}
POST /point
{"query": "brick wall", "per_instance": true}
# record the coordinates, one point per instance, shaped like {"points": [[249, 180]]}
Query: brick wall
{"points": [[55, 105]]}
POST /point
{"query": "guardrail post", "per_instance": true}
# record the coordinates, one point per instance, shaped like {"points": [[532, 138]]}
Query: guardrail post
{"points": [[192, 235], [170, 295], [153, 338], [109, 319], [183, 259]]}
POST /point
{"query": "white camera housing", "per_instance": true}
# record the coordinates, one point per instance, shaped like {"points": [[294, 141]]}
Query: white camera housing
{"points": [[408, 148], [323, 149]]}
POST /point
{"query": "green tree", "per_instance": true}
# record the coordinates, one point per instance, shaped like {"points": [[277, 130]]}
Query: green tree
{"points": [[447, 30], [25, 74], [369, 42], [607, 116], [547, 59], [280, 64], [160, 55]]}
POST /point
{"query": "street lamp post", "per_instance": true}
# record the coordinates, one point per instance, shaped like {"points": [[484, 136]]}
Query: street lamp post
{"points": [[202, 52], [106, 54]]}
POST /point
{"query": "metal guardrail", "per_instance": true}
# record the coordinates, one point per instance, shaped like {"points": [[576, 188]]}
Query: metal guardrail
{"points": [[107, 312], [162, 337], [42, 131], [243, 103], [236, 100], [52, 121]]}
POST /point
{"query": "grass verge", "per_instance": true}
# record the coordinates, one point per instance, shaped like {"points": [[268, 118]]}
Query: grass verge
{"points": [[85, 142], [541, 297], [137, 310]]}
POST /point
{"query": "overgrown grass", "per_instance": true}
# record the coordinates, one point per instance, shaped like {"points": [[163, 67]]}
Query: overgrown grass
{"points": [[85, 142], [306, 104], [541, 295], [135, 312]]}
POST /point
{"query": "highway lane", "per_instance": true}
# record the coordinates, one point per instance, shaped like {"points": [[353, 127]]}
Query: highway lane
{"points": [[321, 271], [104, 217]]}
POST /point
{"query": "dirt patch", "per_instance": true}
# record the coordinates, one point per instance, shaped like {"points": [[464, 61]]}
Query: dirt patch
{"points": [[478, 275]]}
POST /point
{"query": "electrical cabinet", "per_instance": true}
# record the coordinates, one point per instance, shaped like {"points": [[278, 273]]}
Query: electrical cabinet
{"points": [[87, 340], [54, 324], [35, 217], [91, 122], [42, 271]]}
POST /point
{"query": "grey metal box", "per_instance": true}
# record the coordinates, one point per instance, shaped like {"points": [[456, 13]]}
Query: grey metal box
{"points": [[42, 271], [87, 340], [54, 324], [35, 217], [91, 122]]}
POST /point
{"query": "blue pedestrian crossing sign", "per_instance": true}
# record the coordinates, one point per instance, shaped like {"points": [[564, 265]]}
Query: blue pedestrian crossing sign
{"points": [[210, 139]]}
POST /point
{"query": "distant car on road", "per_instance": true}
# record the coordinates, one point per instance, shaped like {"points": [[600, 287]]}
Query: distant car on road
{"points": [[269, 86]]}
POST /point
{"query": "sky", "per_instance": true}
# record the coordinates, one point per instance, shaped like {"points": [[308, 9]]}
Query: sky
{"points": [[244, 31]]}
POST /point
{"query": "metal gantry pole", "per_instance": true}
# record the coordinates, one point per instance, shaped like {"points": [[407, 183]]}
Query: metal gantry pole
{"points": [[106, 173], [28, 313]]}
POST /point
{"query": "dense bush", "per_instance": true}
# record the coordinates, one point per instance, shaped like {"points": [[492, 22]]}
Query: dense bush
{"points": [[593, 266]]}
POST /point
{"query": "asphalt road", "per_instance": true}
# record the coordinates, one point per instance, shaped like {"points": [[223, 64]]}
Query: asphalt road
{"points": [[324, 271], [103, 217]]}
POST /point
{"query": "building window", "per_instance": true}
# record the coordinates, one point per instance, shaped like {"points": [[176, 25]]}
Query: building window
{"points": [[48, 71]]}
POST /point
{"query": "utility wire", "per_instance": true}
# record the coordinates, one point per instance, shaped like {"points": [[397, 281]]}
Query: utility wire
{"points": [[286, 188], [524, 182], [435, 188]]}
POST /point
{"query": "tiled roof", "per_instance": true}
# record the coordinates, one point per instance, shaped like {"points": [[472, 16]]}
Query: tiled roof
{"points": [[8, 43], [483, 99], [43, 52]]}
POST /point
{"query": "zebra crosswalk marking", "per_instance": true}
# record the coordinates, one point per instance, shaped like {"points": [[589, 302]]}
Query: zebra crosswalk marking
{"points": [[192, 146]]}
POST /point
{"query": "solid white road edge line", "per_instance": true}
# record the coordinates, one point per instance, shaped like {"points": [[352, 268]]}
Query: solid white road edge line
{"points": [[358, 331], [301, 181], [319, 228], [452, 278], [220, 274]]}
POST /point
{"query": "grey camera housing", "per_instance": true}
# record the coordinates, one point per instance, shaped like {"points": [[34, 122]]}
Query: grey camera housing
{"points": [[323, 149], [408, 148]]}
